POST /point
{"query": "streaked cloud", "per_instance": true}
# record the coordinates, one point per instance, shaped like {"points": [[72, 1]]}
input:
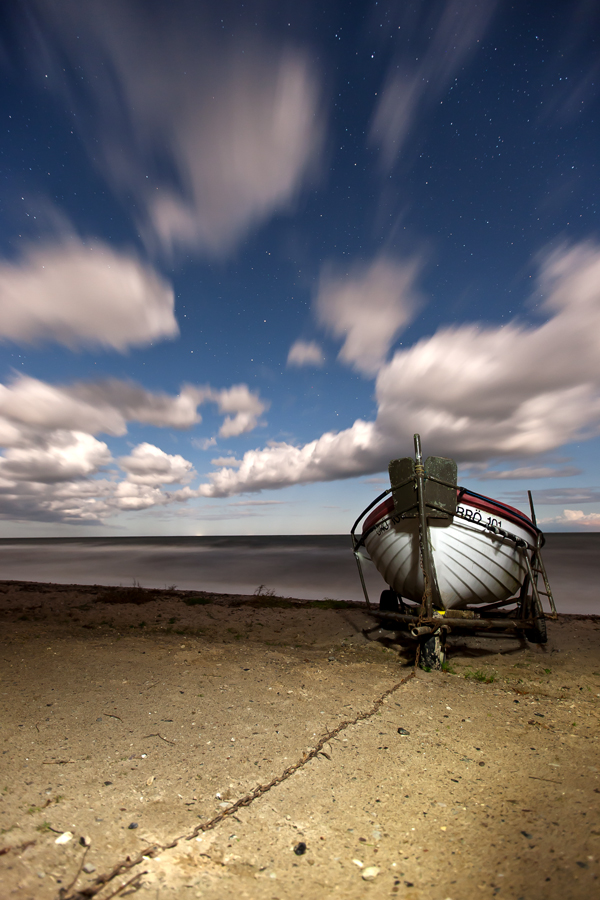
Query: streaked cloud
{"points": [[204, 133], [557, 496], [473, 393], [306, 353], [529, 472], [226, 461], [433, 42], [80, 294], [367, 306]]}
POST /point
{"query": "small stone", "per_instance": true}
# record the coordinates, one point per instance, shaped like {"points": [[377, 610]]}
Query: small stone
{"points": [[300, 848], [527, 835], [64, 838], [107, 783], [370, 873], [89, 868], [85, 841], [132, 825], [358, 863], [482, 764], [403, 731]]}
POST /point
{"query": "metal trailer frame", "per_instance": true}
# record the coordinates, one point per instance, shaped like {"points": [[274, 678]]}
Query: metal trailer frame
{"points": [[430, 626]]}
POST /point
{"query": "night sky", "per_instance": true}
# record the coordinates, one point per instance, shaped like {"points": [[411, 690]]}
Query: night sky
{"points": [[248, 249]]}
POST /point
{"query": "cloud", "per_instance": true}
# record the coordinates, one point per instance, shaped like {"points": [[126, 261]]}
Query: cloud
{"points": [[84, 295], [63, 456], [204, 443], [367, 307], [444, 34], [529, 472], [226, 461], [473, 393], [207, 133], [574, 518], [557, 496], [246, 406], [52, 459], [30, 407], [305, 353], [149, 465]]}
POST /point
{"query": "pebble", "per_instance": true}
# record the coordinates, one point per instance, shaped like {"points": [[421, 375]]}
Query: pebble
{"points": [[300, 848], [133, 825], [89, 868], [64, 838], [403, 731], [370, 873]]}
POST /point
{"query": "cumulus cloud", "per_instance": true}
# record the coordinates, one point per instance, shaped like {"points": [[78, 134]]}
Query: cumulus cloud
{"points": [[208, 133], [444, 33], [62, 456], [52, 459], [574, 518], [367, 306], [246, 407], [149, 465], [84, 294], [305, 353], [473, 393]]}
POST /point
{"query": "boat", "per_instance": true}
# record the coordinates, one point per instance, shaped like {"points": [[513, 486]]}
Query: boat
{"points": [[450, 556], [478, 554]]}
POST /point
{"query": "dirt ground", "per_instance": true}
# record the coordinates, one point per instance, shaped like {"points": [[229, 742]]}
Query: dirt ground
{"points": [[196, 745]]}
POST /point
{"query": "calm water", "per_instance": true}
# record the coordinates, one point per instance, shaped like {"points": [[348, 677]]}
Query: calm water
{"points": [[309, 567]]}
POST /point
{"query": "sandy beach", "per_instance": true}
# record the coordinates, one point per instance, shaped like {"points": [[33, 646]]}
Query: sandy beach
{"points": [[189, 744]]}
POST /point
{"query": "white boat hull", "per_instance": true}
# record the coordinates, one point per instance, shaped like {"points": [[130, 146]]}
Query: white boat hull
{"points": [[472, 564]]}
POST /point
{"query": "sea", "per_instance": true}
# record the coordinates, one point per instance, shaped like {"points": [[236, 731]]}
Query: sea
{"points": [[311, 567]]}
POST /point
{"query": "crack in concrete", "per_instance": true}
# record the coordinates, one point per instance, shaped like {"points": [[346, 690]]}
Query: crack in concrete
{"points": [[126, 865]]}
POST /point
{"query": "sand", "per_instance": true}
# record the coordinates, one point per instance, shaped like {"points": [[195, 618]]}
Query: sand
{"points": [[199, 745]]}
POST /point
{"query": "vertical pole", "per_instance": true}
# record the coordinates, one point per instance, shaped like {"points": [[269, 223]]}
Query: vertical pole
{"points": [[427, 605], [360, 573], [533, 519]]}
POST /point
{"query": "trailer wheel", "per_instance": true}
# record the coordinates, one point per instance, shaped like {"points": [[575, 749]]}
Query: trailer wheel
{"points": [[433, 651], [538, 634], [388, 602]]}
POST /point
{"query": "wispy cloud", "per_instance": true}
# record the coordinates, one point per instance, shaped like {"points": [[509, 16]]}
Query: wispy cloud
{"points": [[367, 306], [433, 41], [473, 393], [557, 496], [208, 133], [529, 472], [306, 353], [81, 294]]}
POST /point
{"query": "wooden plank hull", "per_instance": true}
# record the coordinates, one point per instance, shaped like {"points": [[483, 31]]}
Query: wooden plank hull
{"points": [[472, 564]]}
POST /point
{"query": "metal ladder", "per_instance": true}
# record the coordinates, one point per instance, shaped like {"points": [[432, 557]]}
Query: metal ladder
{"points": [[538, 568]]}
